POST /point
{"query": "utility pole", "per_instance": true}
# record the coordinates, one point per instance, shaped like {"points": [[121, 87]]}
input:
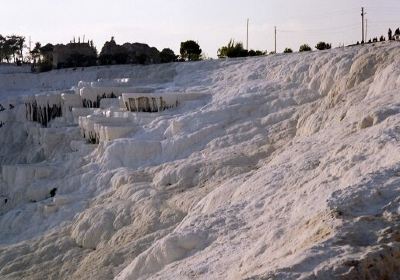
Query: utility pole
{"points": [[247, 37], [30, 44], [362, 23], [275, 37]]}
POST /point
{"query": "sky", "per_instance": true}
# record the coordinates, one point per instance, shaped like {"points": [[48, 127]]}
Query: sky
{"points": [[212, 23]]}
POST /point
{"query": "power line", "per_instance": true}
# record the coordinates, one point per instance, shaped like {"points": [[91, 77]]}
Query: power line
{"points": [[384, 21], [327, 29]]}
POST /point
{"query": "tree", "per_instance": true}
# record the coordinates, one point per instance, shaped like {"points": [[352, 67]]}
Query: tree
{"points": [[390, 34], [112, 53], [12, 43], [233, 50], [3, 50], [323, 46], [304, 48], [11, 46], [190, 50], [255, 53], [20, 44], [288, 50], [382, 38], [35, 53], [397, 32], [167, 55], [46, 52], [251, 53], [7, 49]]}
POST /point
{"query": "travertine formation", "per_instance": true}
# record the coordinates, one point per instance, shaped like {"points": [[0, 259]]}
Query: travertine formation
{"points": [[277, 167]]}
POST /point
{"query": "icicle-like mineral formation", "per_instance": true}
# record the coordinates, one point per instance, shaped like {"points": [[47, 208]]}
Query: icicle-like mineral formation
{"points": [[42, 108], [150, 102], [91, 96], [98, 128]]}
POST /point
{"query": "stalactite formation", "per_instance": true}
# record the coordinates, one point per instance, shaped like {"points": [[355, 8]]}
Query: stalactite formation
{"points": [[94, 102], [43, 109], [151, 103]]}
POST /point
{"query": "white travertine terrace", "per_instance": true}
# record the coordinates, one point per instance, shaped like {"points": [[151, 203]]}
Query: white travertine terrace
{"points": [[69, 102], [152, 102], [92, 95], [99, 128], [289, 169], [157, 102]]}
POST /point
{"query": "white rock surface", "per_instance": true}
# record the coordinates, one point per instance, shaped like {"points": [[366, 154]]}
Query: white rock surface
{"points": [[279, 167]]}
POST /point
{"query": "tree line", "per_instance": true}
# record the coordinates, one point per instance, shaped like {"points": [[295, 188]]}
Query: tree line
{"points": [[391, 37], [77, 54], [82, 54], [236, 49]]}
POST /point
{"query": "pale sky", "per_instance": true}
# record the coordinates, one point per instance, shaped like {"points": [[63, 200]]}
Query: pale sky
{"points": [[166, 23]]}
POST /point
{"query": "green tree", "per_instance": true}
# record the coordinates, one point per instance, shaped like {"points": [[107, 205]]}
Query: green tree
{"points": [[46, 58], [255, 53], [167, 55], [12, 45], [233, 50], [20, 44], [323, 46], [288, 50], [3, 50], [304, 48], [35, 53], [112, 53], [190, 50]]}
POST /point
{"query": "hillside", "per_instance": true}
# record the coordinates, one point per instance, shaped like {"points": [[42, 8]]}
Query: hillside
{"points": [[277, 167]]}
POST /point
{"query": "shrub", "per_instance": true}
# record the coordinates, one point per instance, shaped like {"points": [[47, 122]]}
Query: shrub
{"points": [[288, 50], [233, 50], [304, 48], [256, 53], [251, 53], [323, 46]]}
